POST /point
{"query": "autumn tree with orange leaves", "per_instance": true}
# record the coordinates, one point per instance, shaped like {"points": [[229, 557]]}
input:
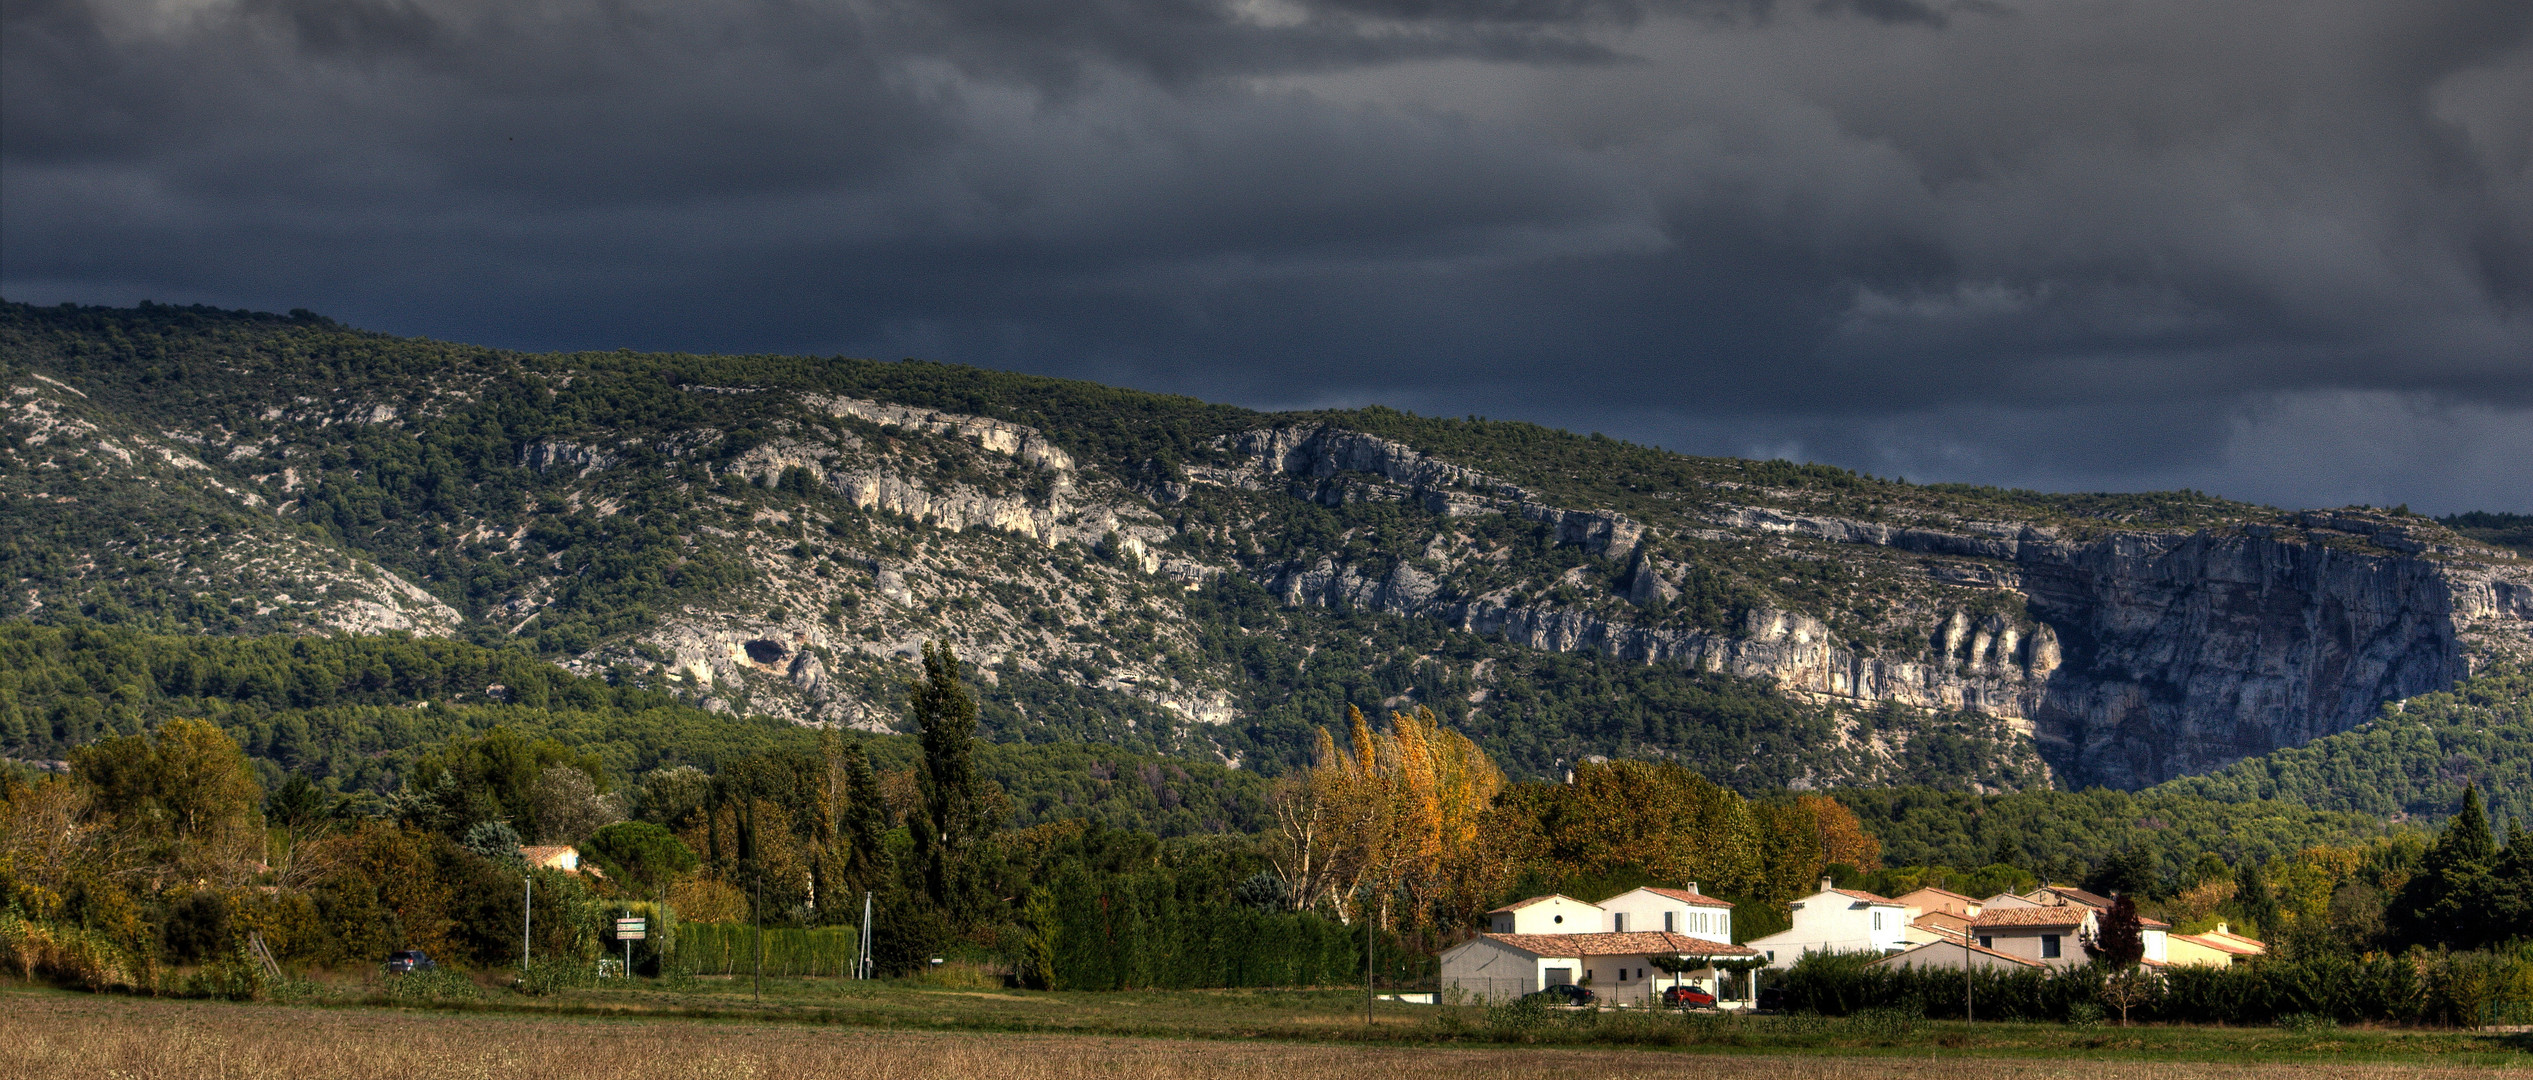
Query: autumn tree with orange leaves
{"points": [[1396, 819]]}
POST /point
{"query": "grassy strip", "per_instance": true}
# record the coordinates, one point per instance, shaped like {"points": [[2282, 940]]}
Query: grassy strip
{"points": [[1337, 1017]]}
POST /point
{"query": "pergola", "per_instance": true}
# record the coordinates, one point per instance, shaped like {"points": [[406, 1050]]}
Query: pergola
{"points": [[1685, 965]]}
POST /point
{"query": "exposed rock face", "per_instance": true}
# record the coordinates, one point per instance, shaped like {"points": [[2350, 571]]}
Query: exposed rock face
{"points": [[2185, 651], [2155, 654], [547, 455], [1325, 453], [1989, 666], [70, 457], [1002, 437]]}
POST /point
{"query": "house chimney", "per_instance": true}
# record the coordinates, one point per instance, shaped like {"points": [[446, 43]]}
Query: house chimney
{"points": [[2220, 928], [1825, 884], [1693, 888]]}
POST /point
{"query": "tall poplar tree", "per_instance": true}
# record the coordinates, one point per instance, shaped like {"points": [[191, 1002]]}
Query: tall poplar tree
{"points": [[954, 818], [865, 820]]}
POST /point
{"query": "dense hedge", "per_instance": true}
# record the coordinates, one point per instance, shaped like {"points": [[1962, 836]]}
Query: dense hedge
{"points": [[1139, 932], [2467, 989], [731, 949]]}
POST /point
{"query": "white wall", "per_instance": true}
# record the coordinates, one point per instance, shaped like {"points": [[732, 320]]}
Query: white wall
{"points": [[1554, 915], [1483, 970], [1643, 910], [1835, 922]]}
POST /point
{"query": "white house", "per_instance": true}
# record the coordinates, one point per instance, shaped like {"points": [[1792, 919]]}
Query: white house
{"points": [[1672, 911], [1838, 920], [1551, 914], [1619, 967]]}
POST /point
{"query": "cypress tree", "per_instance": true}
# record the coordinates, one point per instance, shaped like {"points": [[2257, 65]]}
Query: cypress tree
{"points": [[2252, 896]]}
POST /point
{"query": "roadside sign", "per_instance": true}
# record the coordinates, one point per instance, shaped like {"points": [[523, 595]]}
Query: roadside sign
{"points": [[631, 929]]}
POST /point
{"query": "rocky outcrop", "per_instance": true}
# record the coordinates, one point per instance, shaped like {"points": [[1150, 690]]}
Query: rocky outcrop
{"points": [[548, 455], [1326, 454], [1987, 664], [1018, 441]]}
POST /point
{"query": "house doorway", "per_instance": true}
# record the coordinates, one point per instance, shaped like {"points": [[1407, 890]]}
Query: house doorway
{"points": [[1560, 976]]}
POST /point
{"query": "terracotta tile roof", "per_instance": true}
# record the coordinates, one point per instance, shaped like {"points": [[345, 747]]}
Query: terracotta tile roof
{"points": [[1633, 943], [2072, 893], [1946, 893], [1949, 945], [2212, 940], [1870, 898], [1684, 896], [2153, 924], [1944, 921], [1517, 905], [2066, 915], [2228, 935]]}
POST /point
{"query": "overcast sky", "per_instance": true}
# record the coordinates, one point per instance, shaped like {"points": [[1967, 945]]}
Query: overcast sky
{"points": [[2277, 250]]}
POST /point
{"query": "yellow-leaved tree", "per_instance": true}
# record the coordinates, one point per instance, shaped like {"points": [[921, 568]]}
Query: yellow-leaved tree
{"points": [[1393, 820]]}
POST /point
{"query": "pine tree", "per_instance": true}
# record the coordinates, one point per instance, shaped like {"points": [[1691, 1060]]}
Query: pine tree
{"points": [[2511, 902], [2451, 900]]}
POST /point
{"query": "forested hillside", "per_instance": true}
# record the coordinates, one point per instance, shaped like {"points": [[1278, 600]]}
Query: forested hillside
{"points": [[2411, 763], [355, 714]]}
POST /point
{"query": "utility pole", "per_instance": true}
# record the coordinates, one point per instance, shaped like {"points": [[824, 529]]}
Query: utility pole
{"points": [[1370, 934], [1965, 977], [862, 967], [757, 911], [527, 922]]}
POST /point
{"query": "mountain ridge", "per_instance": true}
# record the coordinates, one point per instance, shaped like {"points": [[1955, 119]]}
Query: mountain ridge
{"points": [[772, 533]]}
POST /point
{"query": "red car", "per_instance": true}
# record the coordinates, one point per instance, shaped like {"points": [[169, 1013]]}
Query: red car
{"points": [[1688, 997]]}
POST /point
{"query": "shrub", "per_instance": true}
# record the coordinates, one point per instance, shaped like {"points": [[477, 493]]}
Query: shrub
{"points": [[544, 977], [67, 955], [432, 987]]}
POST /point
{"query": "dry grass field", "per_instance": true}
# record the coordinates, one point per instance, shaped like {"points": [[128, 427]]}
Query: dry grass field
{"points": [[55, 1035]]}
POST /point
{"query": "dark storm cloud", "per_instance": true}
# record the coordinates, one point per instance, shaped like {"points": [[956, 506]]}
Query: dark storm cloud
{"points": [[2281, 250]]}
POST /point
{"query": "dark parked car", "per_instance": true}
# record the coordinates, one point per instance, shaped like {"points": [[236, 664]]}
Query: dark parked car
{"points": [[1771, 999], [409, 960], [1563, 994], [1688, 997]]}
